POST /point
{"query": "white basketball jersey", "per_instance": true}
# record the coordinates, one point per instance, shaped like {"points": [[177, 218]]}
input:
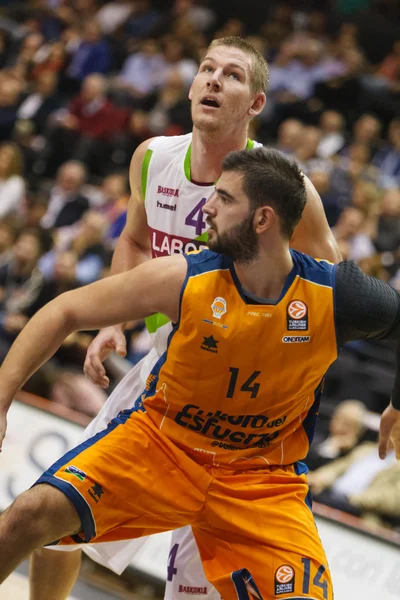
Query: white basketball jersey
{"points": [[174, 208]]}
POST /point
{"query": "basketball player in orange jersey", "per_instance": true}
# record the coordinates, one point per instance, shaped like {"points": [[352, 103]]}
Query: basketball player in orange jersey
{"points": [[171, 178], [216, 439]]}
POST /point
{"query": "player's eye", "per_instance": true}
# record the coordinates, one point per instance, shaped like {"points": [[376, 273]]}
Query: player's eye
{"points": [[234, 76]]}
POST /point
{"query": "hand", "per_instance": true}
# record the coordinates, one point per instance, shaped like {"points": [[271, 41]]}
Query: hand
{"points": [[389, 432], [3, 427], [110, 339]]}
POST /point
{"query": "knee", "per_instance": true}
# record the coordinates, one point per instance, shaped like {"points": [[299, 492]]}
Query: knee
{"points": [[45, 513]]}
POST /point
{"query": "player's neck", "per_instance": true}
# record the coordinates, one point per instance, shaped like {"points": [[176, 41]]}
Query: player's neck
{"points": [[208, 150], [266, 275]]}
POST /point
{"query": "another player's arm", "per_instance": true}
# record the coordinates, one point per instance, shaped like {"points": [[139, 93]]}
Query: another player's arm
{"points": [[152, 287], [133, 248], [313, 235], [369, 308]]}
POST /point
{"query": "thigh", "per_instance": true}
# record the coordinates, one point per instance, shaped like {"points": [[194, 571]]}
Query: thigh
{"points": [[261, 521], [185, 574], [129, 481]]}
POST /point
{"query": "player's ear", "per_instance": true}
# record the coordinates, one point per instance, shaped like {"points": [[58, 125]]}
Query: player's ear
{"points": [[257, 105], [264, 218]]}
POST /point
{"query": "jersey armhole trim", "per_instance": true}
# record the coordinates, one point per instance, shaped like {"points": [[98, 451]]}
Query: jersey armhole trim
{"points": [[145, 171], [338, 347]]}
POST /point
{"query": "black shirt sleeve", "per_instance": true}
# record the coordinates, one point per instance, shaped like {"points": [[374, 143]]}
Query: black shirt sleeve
{"points": [[366, 307]]}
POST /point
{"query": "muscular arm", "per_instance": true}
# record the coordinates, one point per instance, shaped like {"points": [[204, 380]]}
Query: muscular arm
{"points": [[133, 246], [313, 235], [367, 307], [152, 287]]}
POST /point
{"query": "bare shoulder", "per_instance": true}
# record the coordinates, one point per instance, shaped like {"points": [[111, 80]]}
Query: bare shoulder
{"points": [[135, 168]]}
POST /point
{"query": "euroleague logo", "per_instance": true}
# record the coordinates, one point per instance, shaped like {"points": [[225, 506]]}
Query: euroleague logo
{"points": [[284, 580], [297, 315], [297, 309], [284, 574]]}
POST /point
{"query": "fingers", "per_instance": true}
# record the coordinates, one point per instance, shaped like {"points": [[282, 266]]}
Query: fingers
{"points": [[106, 342], [387, 425], [95, 371], [384, 433]]}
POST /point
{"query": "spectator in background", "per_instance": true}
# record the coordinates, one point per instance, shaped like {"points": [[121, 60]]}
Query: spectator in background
{"points": [[346, 428], [350, 235], [115, 197], [66, 204], [41, 103], [171, 114], [23, 289], [83, 130], [367, 130], [290, 134], [306, 152], [390, 66], [7, 238], [332, 139], [114, 14], [52, 61], [387, 159], [142, 71], [9, 100], [88, 246], [143, 21], [360, 483], [12, 185], [342, 92], [123, 144], [92, 54], [29, 49], [387, 236], [176, 62]]}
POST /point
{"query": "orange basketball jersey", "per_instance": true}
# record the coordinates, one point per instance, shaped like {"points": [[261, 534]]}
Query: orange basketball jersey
{"points": [[239, 385]]}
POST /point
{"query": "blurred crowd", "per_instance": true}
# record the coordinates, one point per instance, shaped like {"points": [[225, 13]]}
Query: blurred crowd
{"points": [[84, 82]]}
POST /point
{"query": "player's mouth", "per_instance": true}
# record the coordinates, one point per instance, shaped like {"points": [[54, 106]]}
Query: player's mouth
{"points": [[210, 101]]}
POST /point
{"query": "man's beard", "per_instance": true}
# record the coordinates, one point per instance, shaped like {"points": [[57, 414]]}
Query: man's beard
{"points": [[240, 242]]}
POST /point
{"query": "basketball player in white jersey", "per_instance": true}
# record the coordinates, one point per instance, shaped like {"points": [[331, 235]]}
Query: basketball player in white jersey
{"points": [[171, 178]]}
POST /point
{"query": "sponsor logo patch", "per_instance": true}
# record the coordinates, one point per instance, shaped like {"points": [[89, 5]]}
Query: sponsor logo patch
{"points": [[295, 339], [166, 191], [166, 206], [165, 244], [214, 323], [297, 316], [76, 472], [195, 591], [210, 344], [218, 307], [96, 492], [284, 580], [249, 430]]}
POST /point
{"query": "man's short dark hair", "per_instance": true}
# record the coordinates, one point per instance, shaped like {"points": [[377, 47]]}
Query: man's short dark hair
{"points": [[269, 178]]}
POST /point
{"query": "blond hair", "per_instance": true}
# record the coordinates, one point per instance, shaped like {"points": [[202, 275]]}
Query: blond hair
{"points": [[259, 71]]}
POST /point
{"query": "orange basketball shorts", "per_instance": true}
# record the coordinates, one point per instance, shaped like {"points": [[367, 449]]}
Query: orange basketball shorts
{"points": [[131, 480]]}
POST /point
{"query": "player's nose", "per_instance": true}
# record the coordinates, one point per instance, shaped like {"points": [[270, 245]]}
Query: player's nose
{"points": [[215, 80]]}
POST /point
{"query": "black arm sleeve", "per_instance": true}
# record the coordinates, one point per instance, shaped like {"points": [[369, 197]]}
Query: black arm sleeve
{"points": [[367, 307]]}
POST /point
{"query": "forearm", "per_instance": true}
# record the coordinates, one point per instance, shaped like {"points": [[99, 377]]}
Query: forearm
{"points": [[36, 344], [128, 255]]}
